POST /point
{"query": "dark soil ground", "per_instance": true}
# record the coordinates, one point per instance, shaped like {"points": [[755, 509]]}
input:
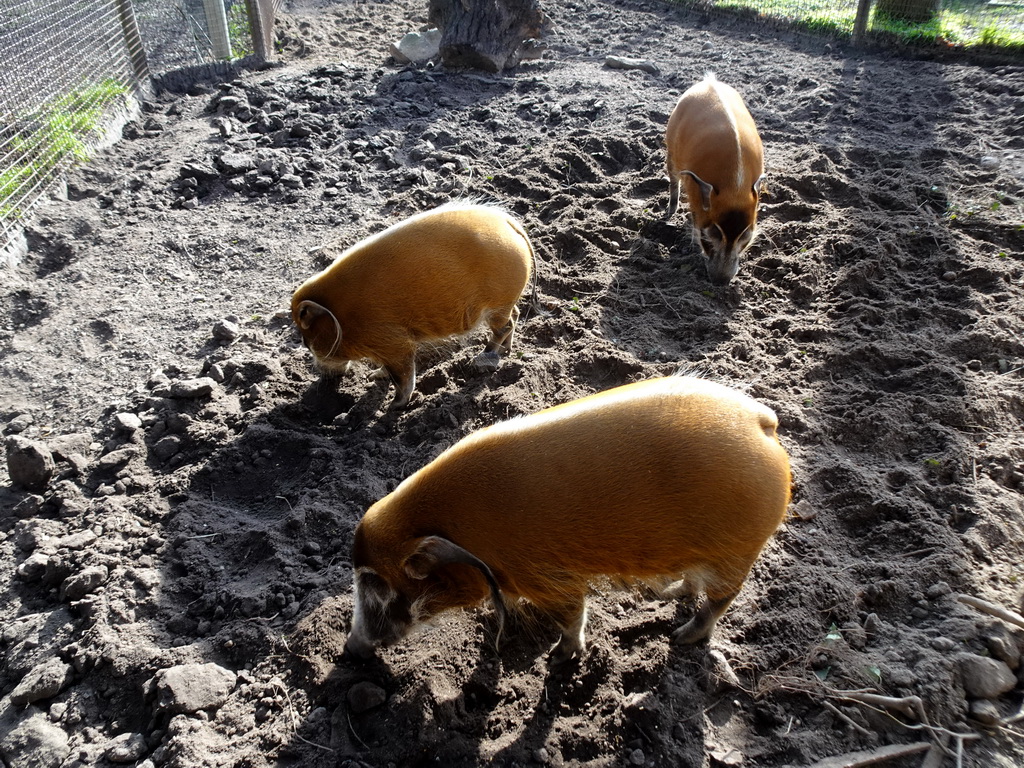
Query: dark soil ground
{"points": [[880, 313]]}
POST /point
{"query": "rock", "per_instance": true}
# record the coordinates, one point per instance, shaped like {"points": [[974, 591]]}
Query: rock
{"points": [[225, 330], [235, 163], [201, 171], [487, 362], [33, 568], [365, 696], [937, 590], [80, 584], [116, 458], [720, 673], [126, 748], [637, 757], [989, 163], [166, 447], [190, 389], [29, 463], [291, 181], [622, 62], [417, 47], [34, 743], [42, 682], [193, 687], [985, 678], [20, 423], [127, 422], [985, 712], [76, 541], [28, 506]]}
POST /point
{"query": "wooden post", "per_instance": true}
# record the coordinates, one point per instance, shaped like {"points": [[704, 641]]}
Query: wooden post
{"points": [[133, 40], [860, 24], [261, 25]]}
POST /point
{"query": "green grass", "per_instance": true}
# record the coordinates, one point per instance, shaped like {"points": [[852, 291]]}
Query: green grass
{"points": [[53, 137], [960, 23]]}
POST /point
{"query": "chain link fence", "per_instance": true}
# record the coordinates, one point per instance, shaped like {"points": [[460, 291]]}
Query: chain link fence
{"points": [[994, 25], [74, 71]]}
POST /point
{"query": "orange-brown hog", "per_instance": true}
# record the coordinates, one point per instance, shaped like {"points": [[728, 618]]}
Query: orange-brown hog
{"points": [[714, 149], [435, 275], [665, 480]]}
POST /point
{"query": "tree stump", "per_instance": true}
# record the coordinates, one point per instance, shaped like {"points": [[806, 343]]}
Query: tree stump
{"points": [[485, 34]]}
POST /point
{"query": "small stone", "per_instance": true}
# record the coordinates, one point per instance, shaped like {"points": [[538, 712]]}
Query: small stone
{"points": [[20, 423], [29, 463], [937, 590], [166, 447], [42, 682], [949, 277], [291, 181], [985, 712], [943, 644], [28, 506], [487, 362], [622, 62], [365, 696], [637, 757], [199, 170], [225, 330], [117, 458], [805, 510], [80, 584], [417, 47], [33, 568], [235, 163], [190, 688], [191, 389], [985, 678], [989, 163], [720, 672], [126, 748], [127, 422]]}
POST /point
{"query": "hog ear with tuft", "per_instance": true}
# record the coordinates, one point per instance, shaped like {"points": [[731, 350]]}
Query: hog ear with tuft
{"points": [[310, 312], [705, 189], [435, 551]]}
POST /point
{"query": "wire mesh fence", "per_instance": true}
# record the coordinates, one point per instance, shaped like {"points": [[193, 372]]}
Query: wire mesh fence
{"points": [[67, 69], [74, 69], [996, 24]]}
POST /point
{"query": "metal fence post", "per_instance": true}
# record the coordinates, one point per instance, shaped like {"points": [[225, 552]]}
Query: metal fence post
{"points": [[217, 22], [133, 40], [860, 24], [261, 20]]}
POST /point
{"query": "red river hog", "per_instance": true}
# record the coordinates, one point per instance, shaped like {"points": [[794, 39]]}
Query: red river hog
{"points": [[713, 148], [437, 274], [657, 482]]}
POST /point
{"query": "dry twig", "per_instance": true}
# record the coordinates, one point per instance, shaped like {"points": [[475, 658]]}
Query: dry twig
{"points": [[993, 610]]}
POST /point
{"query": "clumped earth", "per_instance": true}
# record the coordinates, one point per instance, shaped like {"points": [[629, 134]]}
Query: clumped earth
{"points": [[182, 489]]}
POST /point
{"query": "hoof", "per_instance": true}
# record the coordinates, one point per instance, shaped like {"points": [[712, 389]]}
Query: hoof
{"points": [[690, 634], [563, 653]]}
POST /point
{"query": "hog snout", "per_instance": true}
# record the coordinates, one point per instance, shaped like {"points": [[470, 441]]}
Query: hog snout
{"points": [[359, 649]]}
